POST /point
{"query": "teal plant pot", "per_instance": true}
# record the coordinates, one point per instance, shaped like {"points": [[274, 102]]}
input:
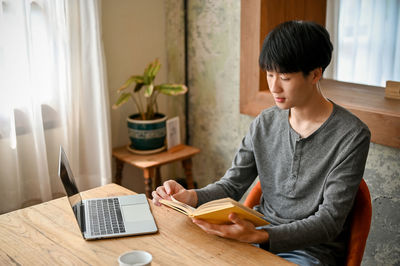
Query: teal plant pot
{"points": [[147, 134]]}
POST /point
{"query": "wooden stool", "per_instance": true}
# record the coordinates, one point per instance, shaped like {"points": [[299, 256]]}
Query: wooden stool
{"points": [[151, 164]]}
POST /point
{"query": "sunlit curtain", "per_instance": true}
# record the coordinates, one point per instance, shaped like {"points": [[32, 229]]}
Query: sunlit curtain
{"points": [[52, 92], [368, 40]]}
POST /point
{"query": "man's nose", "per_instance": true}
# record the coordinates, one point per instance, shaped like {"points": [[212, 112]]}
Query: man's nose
{"points": [[274, 85]]}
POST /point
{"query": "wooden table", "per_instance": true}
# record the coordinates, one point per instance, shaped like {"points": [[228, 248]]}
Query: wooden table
{"points": [[47, 234], [150, 164]]}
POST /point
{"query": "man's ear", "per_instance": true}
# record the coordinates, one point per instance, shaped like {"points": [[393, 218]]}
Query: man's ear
{"points": [[316, 75]]}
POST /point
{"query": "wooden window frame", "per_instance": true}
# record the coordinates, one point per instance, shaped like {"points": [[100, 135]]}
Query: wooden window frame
{"points": [[381, 115]]}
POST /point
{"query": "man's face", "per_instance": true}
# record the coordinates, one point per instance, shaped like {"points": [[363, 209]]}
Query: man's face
{"points": [[290, 89]]}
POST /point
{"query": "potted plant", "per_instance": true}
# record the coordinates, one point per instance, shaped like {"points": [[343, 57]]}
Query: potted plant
{"points": [[147, 127]]}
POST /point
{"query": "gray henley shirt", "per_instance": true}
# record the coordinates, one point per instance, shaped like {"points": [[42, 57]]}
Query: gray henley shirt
{"points": [[308, 184]]}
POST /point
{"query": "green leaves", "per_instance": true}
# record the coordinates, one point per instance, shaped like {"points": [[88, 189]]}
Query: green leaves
{"points": [[151, 71], [171, 89], [148, 91], [146, 103], [132, 79], [123, 98], [138, 87]]}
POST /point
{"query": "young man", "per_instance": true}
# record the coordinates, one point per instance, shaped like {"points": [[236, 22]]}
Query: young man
{"points": [[308, 152]]}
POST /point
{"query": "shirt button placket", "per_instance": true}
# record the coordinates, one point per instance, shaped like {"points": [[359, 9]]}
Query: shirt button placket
{"points": [[295, 167]]}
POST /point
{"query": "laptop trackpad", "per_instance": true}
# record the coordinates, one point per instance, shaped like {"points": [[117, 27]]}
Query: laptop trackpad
{"points": [[136, 212]]}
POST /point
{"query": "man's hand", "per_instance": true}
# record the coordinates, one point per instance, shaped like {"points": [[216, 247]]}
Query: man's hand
{"points": [[172, 188], [240, 230]]}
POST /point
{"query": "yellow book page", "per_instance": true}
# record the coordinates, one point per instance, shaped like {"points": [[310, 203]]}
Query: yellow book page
{"points": [[225, 203], [177, 205], [215, 205]]}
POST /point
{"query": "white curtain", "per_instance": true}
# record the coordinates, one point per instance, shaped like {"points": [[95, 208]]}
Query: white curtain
{"points": [[367, 35], [52, 92]]}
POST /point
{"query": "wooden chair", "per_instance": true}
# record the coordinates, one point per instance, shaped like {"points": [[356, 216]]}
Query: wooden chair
{"points": [[360, 220]]}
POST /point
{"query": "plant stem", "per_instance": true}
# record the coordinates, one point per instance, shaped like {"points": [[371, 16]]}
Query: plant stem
{"points": [[156, 104], [149, 110], [155, 101], [138, 105]]}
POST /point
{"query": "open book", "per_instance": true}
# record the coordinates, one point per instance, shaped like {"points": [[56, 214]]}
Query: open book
{"points": [[217, 211]]}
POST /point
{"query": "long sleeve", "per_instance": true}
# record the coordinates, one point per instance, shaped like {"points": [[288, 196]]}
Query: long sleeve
{"points": [[237, 178]]}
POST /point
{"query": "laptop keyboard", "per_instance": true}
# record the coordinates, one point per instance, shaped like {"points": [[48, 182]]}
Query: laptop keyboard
{"points": [[105, 217]]}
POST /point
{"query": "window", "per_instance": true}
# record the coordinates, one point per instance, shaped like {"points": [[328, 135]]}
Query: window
{"points": [[368, 42], [26, 63]]}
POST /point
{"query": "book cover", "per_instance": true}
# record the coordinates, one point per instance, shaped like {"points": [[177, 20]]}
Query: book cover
{"points": [[217, 211]]}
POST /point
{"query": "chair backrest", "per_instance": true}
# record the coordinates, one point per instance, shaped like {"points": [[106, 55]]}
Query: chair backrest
{"points": [[254, 196], [360, 221]]}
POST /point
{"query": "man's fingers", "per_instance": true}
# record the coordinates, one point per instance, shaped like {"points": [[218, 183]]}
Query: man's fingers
{"points": [[171, 187], [207, 227], [234, 218], [161, 191], [158, 194], [222, 230], [237, 230], [165, 191], [156, 198]]}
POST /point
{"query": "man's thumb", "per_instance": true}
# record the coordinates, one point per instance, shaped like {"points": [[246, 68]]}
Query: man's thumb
{"points": [[180, 195], [235, 219]]}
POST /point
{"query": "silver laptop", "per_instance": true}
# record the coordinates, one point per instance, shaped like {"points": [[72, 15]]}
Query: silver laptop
{"points": [[106, 217]]}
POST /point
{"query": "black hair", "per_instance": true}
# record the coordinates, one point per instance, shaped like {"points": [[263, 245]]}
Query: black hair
{"points": [[295, 46]]}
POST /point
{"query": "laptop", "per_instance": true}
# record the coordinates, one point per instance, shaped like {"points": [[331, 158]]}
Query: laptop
{"points": [[106, 217]]}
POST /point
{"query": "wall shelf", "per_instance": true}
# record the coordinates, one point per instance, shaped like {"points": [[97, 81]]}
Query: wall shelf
{"points": [[382, 115]]}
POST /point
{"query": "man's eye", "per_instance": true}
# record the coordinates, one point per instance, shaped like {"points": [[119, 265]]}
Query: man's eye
{"points": [[285, 78]]}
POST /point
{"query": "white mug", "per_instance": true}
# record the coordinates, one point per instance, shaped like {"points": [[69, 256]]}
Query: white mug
{"points": [[135, 257]]}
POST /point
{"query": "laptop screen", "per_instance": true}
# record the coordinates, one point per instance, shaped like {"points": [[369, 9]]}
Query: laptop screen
{"points": [[67, 178]]}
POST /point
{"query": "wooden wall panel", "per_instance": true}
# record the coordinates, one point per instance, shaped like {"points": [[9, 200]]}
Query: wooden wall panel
{"points": [[274, 12]]}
